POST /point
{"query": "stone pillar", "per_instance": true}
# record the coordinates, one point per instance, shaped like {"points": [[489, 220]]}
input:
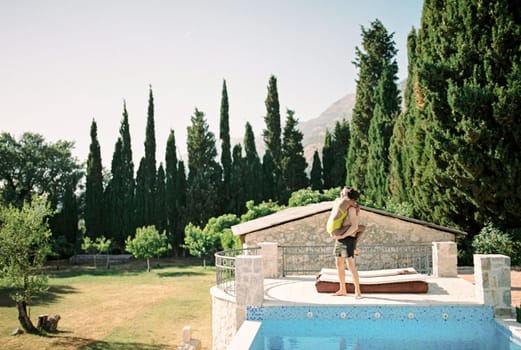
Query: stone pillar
{"points": [[492, 282], [270, 259], [444, 259], [249, 284]]}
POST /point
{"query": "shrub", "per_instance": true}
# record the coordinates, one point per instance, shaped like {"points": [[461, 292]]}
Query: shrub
{"points": [[491, 240]]}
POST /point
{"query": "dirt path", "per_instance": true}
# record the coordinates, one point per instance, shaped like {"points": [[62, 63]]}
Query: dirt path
{"points": [[515, 279]]}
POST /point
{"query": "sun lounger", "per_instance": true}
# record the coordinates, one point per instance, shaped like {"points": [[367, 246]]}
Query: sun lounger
{"points": [[377, 281]]}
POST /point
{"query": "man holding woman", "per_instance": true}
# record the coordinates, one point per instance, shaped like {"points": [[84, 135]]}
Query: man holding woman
{"points": [[343, 225]]}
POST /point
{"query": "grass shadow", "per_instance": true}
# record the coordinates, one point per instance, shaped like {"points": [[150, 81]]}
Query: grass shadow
{"points": [[101, 272]]}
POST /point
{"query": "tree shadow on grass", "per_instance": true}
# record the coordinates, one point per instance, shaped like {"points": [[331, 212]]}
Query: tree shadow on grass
{"points": [[63, 341], [103, 272], [180, 273], [53, 294]]}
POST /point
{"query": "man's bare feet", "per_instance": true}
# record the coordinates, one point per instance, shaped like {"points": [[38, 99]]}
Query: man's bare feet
{"points": [[358, 296], [340, 293]]}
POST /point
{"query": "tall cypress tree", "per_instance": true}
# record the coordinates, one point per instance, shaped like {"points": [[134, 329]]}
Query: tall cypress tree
{"points": [[400, 172], [272, 140], [387, 108], [150, 175], [224, 135], [181, 194], [204, 173], [379, 50], [238, 181], [160, 205], [127, 177], [94, 207], [293, 162], [328, 160], [316, 173], [139, 202], [340, 145], [171, 195], [113, 199], [253, 186]]}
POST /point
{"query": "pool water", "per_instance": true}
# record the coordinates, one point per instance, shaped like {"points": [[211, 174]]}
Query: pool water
{"points": [[381, 327]]}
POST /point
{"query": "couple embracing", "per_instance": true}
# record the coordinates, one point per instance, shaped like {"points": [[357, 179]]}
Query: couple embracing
{"points": [[343, 225]]}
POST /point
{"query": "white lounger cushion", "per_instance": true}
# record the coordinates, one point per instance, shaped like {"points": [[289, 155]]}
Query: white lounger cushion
{"points": [[372, 273], [410, 277]]}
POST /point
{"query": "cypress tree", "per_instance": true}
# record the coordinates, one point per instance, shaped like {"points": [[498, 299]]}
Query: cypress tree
{"points": [[328, 160], [113, 199], [140, 218], [204, 173], [272, 140], [94, 207], [171, 194], [378, 51], [224, 135], [119, 194], [340, 145], [468, 82], [316, 173], [238, 180], [181, 193], [293, 162], [160, 205], [400, 172], [150, 165], [253, 186], [386, 111]]}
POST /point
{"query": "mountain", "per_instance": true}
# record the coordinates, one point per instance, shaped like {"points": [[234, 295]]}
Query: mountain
{"points": [[314, 130]]}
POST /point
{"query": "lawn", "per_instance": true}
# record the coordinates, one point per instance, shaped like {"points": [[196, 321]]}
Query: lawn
{"points": [[123, 307]]}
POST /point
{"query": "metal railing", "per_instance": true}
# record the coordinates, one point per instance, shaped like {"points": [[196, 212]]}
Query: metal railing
{"points": [[307, 260], [301, 260], [225, 267]]}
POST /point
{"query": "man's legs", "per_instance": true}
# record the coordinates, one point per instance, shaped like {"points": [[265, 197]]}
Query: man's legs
{"points": [[356, 279], [341, 275]]}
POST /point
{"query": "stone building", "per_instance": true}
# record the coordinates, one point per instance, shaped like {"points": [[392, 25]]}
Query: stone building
{"points": [[389, 241]]}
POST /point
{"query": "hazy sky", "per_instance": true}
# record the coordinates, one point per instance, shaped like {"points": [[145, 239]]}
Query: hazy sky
{"points": [[64, 63]]}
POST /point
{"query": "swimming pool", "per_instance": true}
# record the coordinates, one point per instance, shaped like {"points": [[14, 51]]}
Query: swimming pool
{"points": [[379, 327]]}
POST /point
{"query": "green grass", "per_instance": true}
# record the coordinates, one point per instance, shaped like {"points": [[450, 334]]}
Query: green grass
{"points": [[123, 307]]}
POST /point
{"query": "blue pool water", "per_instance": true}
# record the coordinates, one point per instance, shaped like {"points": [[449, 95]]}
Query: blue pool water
{"points": [[379, 327]]}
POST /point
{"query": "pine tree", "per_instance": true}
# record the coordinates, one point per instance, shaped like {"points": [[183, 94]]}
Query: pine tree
{"points": [[204, 173], [316, 173], [293, 162], [378, 51], [253, 186], [224, 135], [94, 207], [328, 160], [150, 175]]}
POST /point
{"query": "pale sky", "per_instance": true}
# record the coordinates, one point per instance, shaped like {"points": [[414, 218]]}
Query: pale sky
{"points": [[64, 63]]}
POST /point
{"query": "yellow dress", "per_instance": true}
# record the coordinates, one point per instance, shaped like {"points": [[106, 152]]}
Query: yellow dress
{"points": [[336, 223]]}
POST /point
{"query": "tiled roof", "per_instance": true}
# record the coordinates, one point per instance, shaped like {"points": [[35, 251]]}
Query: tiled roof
{"points": [[296, 213]]}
